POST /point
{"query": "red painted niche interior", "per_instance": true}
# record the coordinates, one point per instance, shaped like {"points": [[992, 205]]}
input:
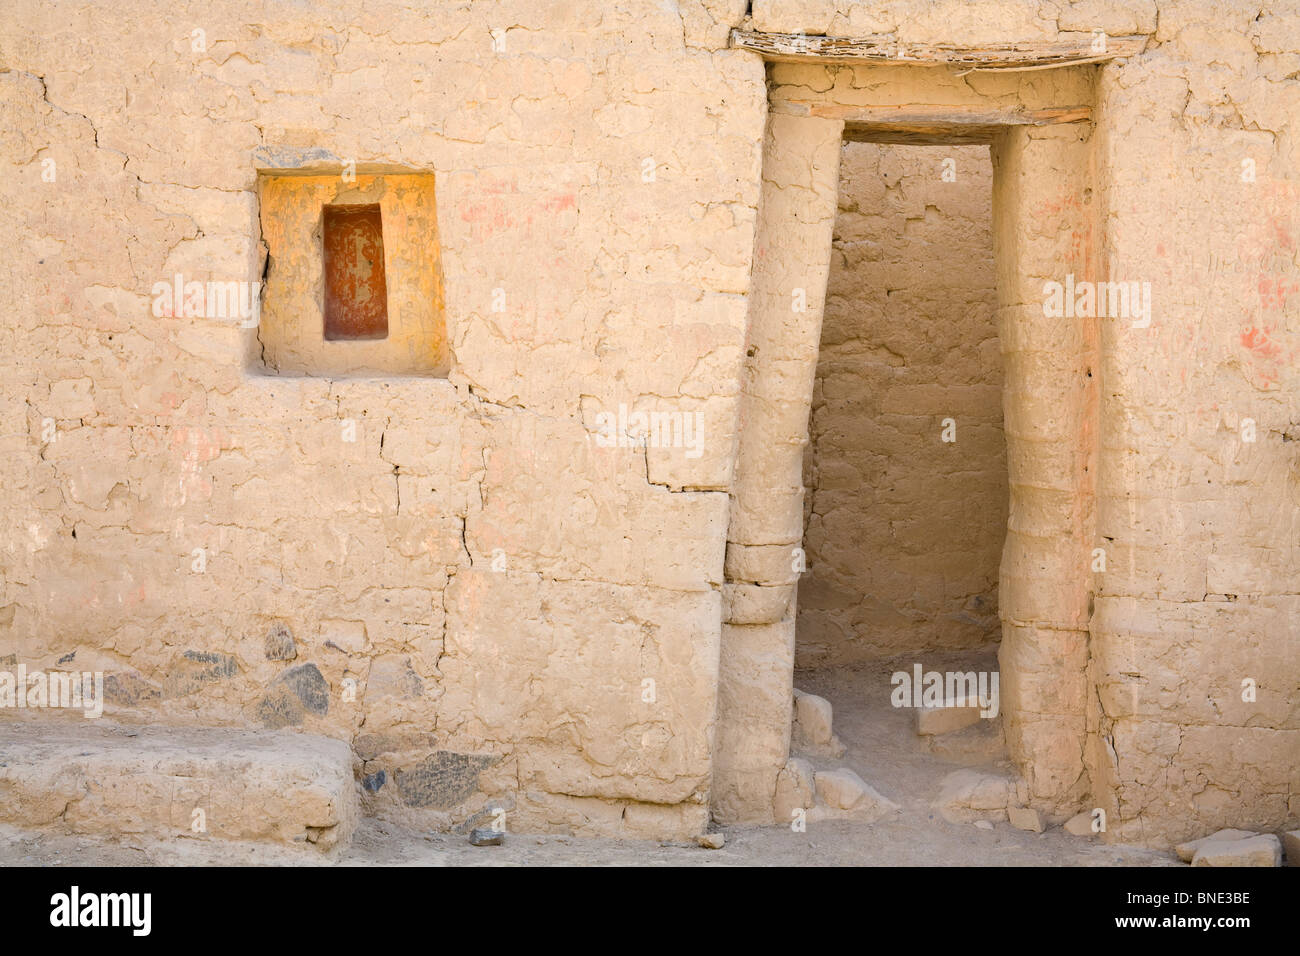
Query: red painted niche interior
{"points": [[356, 289]]}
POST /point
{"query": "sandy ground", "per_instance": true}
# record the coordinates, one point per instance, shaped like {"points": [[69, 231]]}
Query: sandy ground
{"points": [[883, 750]]}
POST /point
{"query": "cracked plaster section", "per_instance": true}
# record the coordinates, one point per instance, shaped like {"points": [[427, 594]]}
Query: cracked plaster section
{"points": [[1202, 530], [378, 552]]}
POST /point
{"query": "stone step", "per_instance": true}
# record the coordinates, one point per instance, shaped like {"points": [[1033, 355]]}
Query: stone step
{"points": [[838, 794], [162, 783], [977, 743], [811, 731], [954, 714]]}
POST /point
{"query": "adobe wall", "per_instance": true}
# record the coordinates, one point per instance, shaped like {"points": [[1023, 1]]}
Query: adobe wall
{"points": [[1201, 595], [904, 520], [492, 585], [491, 605]]}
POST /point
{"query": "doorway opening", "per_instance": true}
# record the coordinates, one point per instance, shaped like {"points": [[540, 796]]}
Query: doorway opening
{"points": [[905, 469], [881, 508]]}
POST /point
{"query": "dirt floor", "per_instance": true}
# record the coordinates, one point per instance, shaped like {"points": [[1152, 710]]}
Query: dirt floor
{"points": [[882, 748]]}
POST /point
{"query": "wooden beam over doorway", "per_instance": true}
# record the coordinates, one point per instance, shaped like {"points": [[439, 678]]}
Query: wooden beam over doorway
{"points": [[796, 48]]}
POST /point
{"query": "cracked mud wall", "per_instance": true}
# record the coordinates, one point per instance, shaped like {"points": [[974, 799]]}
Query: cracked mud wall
{"points": [[1200, 159], [452, 575], [904, 530], [370, 561]]}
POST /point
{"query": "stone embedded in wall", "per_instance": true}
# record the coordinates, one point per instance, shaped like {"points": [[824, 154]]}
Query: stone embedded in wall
{"points": [[293, 695], [280, 644], [369, 746], [129, 689], [442, 780], [197, 669]]}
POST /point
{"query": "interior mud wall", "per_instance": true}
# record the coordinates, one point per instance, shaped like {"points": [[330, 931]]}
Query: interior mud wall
{"points": [[906, 509]]}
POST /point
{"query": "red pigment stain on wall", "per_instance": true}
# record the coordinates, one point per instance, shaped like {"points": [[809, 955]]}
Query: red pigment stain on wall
{"points": [[502, 208], [1049, 207], [1264, 354], [1273, 292], [559, 203], [1258, 341], [488, 216]]}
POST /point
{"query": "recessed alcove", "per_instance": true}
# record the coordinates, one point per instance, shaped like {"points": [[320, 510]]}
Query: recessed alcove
{"points": [[353, 282]]}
